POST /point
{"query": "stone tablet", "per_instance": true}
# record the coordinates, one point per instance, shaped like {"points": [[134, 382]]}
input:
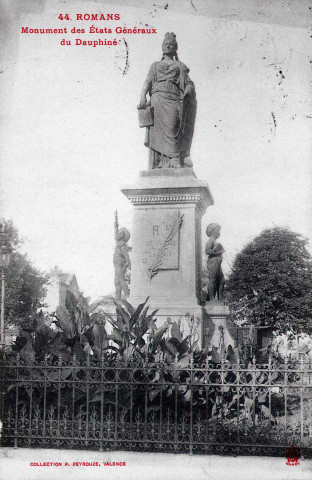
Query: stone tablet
{"points": [[160, 243]]}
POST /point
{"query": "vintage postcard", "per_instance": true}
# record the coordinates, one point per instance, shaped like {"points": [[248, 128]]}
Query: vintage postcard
{"points": [[127, 129]]}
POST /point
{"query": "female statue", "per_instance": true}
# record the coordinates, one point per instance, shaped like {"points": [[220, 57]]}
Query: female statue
{"points": [[214, 250], [173, 103]]}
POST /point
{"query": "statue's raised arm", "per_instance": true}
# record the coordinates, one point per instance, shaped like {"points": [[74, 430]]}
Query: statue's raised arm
{"points": [[170, 127]]}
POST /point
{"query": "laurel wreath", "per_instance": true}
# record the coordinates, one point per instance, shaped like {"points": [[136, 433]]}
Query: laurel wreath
{"points": [[160, 255]]}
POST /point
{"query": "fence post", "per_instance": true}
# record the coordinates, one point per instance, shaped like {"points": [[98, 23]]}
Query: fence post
{"points": [[161, 382], [44, 419], [145, 370], [116, 406], [59, 395], [222, 394], [175, 377], [191, 406], [270, 393], [16, 400], [207, 396], [32, 362], [301, 401], [238, 392], [102, 403], [2, 399], [286, 393], [254, 378], [73, 397]]}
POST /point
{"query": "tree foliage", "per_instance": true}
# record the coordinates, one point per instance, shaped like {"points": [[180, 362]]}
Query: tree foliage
{"points": [[271, 282], [24, 285]]}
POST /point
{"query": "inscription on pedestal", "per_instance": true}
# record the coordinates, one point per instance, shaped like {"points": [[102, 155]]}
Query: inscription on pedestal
{"points": [[161, 241]]}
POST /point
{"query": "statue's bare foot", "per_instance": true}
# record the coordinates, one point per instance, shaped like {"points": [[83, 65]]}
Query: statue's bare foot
{"points": [[174, 163], [188, 162]]}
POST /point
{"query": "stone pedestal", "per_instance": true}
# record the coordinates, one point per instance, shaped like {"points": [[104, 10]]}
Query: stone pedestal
{"points": [[166, 240], [217, 326]]}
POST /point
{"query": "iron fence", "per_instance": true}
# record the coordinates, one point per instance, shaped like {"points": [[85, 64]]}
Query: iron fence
{"points": [[209, 408]]}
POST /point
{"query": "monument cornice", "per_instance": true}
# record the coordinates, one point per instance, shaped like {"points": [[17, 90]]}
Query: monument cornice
{"points": [[163, 199], [169, 188]]}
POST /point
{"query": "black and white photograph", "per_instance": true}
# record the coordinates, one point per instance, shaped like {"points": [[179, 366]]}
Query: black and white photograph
{"points": [[155, 239]]}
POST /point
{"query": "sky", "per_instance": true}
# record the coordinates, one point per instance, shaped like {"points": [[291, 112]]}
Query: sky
{"points": [[70, 138]]}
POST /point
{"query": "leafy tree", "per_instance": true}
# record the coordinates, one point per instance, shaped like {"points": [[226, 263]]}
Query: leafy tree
{"points": [[271, 282], [24, 285]]}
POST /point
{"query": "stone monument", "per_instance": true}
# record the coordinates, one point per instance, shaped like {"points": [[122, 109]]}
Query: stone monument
{"points": [[168, 199], [216, 322]]}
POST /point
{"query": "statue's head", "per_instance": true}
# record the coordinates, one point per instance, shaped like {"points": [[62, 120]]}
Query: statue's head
{"points": [[169, 44], [213, 229], [123, 234]]}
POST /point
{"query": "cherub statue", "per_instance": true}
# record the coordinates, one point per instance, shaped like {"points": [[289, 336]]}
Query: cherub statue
{"points": [[214, 251], [121, 260]]}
